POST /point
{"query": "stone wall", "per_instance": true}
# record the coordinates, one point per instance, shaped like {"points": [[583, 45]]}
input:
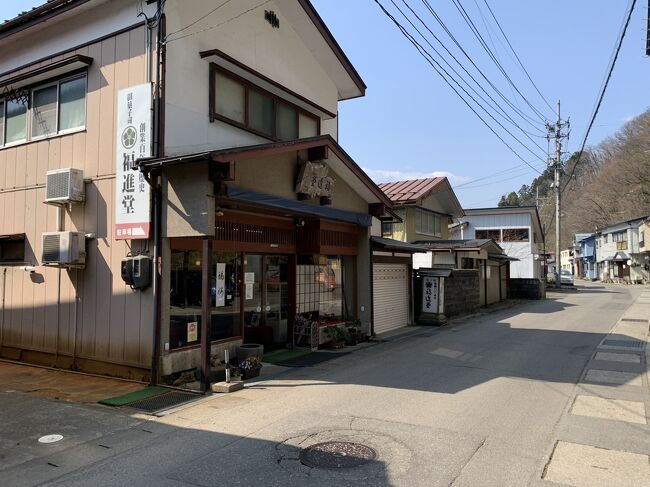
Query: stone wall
{"points": [[527, 289], [462, 293]]}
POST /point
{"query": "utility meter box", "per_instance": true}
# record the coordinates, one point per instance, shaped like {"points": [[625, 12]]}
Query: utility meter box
{"points": [[136, 271]]}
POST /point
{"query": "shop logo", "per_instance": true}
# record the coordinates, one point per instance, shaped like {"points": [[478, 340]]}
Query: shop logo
{"points": [[129, 137]]}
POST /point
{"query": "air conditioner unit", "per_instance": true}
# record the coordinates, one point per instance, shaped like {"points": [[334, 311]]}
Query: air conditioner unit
{"points": [[64, 249], [64, 186]]}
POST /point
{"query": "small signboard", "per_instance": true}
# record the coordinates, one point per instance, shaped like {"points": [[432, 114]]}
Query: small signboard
{"points": [[132, 192], [220, 285], [192, 331], [314, 180], [430, 294]]}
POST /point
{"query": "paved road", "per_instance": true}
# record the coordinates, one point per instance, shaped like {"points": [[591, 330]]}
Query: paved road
{"points": [[482, 402]]}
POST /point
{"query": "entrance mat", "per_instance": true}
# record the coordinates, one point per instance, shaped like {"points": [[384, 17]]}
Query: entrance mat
{"points": [[161, 402], [284, 354], [145, 393], [311, 359]]}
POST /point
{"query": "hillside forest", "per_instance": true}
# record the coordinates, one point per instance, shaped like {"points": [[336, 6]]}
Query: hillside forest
{"points": [[609, 183]]}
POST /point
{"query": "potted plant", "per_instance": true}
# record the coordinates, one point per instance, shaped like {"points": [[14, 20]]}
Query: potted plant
{"points": [[250, 367], [337, 335], [354, 332]]}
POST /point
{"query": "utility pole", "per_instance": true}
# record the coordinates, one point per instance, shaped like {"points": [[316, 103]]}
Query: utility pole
{"points": [[555, 131]]}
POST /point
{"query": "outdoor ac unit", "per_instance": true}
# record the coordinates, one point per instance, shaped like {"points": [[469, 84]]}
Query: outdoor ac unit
{"points": [[64, 249], [64, 186]]}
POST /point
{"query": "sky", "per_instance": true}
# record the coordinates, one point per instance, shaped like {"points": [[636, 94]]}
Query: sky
{"points": [[411, 124]]}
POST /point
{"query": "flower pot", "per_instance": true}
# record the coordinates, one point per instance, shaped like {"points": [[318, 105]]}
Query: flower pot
{"points": [[249, 373], [246, 350]]}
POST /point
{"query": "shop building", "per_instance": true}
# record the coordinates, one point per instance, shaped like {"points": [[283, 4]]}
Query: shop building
{"points": [[208, 150]]}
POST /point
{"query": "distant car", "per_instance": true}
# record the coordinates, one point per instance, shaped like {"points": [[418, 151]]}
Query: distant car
{"points": [[566, 277]]}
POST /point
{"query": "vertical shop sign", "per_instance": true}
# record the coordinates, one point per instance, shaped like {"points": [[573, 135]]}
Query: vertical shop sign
{"points": [[220, 285], [430, 294], [132, 195]]}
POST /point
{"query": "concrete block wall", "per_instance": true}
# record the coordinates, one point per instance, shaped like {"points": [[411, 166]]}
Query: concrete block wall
{"points": [[527, 289], [462, 293]]}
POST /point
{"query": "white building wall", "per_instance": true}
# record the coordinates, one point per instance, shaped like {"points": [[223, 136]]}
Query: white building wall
{"points": [[278, 54], [526, 266]]}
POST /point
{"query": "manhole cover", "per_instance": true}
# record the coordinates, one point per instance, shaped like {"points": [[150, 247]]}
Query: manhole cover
{"points": [[337, 454], [50, 438]]}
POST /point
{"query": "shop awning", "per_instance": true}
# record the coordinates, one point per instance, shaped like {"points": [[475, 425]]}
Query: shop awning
{"points": [[299, 207], [617, 257], [390, 244]]}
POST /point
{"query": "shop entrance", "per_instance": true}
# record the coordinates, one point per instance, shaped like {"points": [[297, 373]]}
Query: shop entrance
{"points": [[266, 299]]}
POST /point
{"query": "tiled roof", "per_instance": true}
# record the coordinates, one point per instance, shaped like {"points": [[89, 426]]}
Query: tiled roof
{"points": [[410, 191]]}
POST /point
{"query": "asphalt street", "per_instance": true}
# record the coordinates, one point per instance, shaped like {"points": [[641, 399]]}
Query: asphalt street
{"points": [[489, 400]]}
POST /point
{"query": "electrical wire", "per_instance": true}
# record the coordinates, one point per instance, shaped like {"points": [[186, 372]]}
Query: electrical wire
{"points": [[219, 24], [492, 175], [468, 20], [516, 56], [516, 109], [525, 172], [200, 18], [601, 96], [438, 69], [495, 106]]}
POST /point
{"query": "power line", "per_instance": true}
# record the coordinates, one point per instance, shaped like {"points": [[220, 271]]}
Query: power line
{"points": [[601, 96], [505, 115], [221, 23], [516, 56], [526, 171], [437, 68], [200, 18], [516, 109], [468, 20], [493, 175]]}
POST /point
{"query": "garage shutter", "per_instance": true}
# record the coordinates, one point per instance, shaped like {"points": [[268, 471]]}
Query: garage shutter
{"points": [[390, 296]]}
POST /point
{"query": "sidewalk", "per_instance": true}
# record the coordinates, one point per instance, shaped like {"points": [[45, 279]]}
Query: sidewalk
{"points": [[603, 439]]}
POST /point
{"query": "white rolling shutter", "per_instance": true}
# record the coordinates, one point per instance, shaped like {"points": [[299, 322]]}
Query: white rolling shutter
{"points": [[390, 296]]}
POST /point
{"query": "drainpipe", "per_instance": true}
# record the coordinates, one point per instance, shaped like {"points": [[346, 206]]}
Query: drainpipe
{"points": [[485, 289], [60, 225], [157, 199], [2, 317]]}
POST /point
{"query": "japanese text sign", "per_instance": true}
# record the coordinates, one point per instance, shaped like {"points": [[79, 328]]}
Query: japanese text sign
{"points": [[132, 192]]}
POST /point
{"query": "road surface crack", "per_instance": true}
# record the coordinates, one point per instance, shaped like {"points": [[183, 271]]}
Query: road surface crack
{"points": [[480, 445]]}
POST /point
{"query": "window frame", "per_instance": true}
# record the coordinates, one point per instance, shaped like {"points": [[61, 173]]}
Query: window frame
{"points": [[515, 229], [437, 221], [30, 110], [248, 85], [489, 230]]}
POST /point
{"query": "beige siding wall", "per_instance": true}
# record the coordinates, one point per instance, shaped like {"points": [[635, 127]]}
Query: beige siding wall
{"points": [[107, 321]]}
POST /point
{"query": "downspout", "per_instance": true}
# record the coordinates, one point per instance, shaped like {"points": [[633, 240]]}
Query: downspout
{"points": [[372, 291], [485, 283], [60, 226], [157, 197], [2, 317]]}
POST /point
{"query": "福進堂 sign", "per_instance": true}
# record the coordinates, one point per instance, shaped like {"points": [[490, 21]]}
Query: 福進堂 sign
{"points": [[132, 192]]}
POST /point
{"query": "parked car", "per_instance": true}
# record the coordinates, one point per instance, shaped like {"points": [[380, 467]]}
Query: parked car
{"points": [[566, 277]]}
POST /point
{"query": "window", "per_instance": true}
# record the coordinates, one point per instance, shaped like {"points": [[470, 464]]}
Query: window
{"points": [[319, 287], [489, 234], [619, 237], [236, 101], [53, 109], [12, 249], [16, 122], [427, 223], [605, 238], [260, 112], [72, 104], [515, 235], [44, 104]]}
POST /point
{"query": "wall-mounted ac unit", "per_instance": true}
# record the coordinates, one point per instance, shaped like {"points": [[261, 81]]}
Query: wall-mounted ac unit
{"points": [[64, 186], [64, 249]]}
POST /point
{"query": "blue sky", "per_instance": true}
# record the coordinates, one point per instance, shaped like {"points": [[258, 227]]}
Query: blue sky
{"points": [[410, 123]]}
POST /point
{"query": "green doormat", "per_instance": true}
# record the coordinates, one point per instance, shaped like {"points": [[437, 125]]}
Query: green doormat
{"points": [[284, 354], [145, 393]]}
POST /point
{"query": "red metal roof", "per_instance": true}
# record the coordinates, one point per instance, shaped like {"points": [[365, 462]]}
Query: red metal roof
{"points": [[410, 191]]}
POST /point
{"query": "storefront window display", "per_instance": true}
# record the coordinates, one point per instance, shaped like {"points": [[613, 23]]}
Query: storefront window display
{"points": [[319, 287], [185, 297]]}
